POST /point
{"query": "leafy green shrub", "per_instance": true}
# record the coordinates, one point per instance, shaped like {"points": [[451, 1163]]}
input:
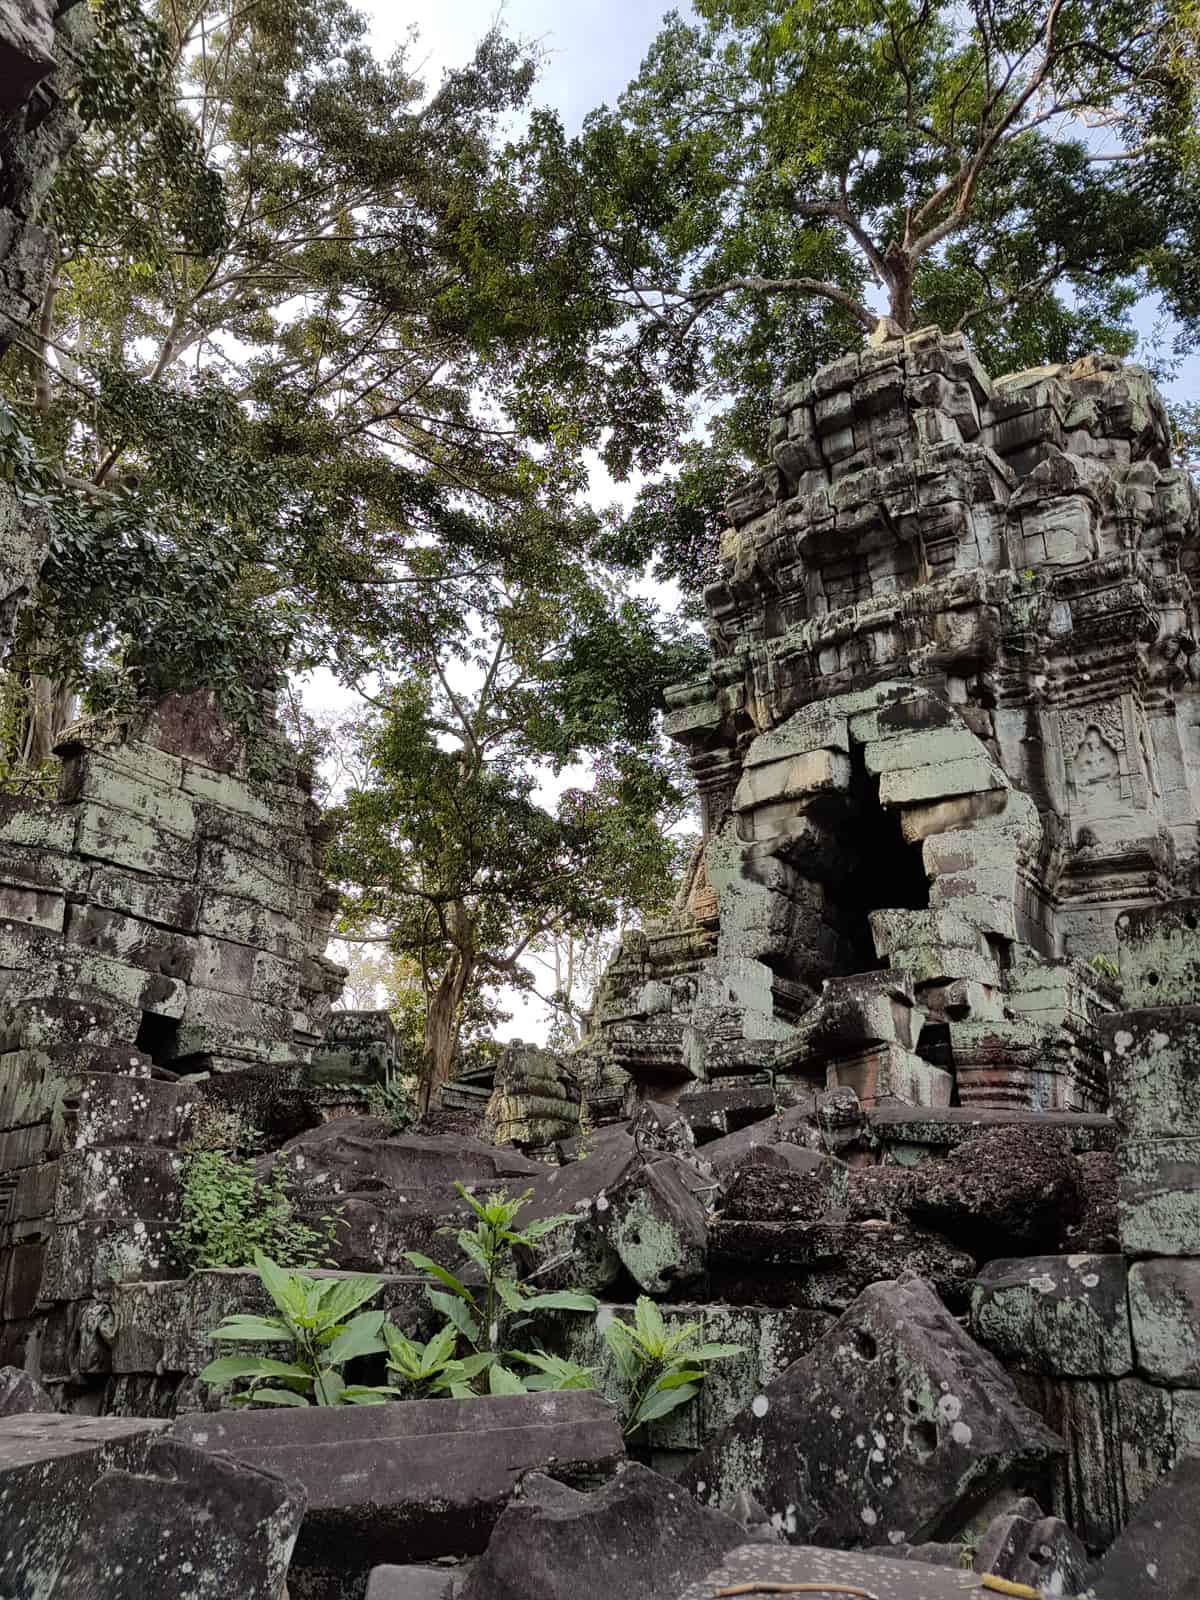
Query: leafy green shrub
{"points": [[664, 1368], [229, 1216], [315, 1319], [478, 1313]]}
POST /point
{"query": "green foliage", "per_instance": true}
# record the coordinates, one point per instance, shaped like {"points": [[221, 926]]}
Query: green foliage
{"points": [[500, 1304], [664, 1368], [230, 1217], [1104, 965], [315, 1319]]}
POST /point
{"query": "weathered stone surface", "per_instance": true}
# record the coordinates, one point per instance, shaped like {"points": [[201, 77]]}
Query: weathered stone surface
{"points": [[906, 1424], [409, 1482], [1164, 1314], [109, 1508], [639, 1536], [754, 1565], [1066, 1315], [1009, 1188], [20, 1394], [1156, 1557]]}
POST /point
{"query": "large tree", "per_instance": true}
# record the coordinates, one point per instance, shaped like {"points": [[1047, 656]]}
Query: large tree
{"points": [[273, 408]]}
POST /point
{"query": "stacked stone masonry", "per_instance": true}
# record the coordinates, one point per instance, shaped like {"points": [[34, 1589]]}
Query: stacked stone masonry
{"points": [[162, 922], [950, 737]]}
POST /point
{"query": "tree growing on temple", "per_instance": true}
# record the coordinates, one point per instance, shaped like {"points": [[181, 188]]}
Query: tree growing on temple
{"points": [[780, 176]]}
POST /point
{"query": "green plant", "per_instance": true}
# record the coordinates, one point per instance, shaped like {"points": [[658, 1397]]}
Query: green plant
{"points": [[479, 1313], [230, 1216], [315, 1319], [664, 1368], [1105, 966], [394, 1100]]}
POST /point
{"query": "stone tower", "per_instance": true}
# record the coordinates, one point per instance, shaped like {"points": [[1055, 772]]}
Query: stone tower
{"points": [[949, 735]]}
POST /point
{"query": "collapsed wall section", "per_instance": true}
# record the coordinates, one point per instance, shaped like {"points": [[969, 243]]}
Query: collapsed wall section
{"points": [[164, 917]]}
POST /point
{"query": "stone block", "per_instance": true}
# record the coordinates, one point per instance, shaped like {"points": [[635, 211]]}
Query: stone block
{"points": [[1064, 1315], [38, 908], [1164, 1313], [965, 775], [107, 1507], [1154, 1071], [410, 1583], [638, 1536], [1158, 950], [118, 1181], [1159, 1204], [36, 825], [409, 1482], [912, 751], [87, 1258], [755, 1568], [1156, 1556], [115, 1110], [131, 941], [124, 840], [20, 1394], [92, 779], [907, 1425], [920, 822], [171, 905], [231, 916], [657, 1224], [227, 792]]}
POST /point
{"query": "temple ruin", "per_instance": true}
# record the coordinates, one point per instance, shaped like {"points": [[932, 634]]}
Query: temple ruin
{"points": [[900, 1109]]}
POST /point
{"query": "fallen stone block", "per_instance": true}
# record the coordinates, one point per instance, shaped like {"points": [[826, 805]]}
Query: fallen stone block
{"points": [[1157, 1556], [21, 1394], [1023, 1546], [825, 1265], [658, 1226], [409, 1482], [907, 1425], [1063, 1315], [1000, 1194], [109, 1508], [410, 1583], [782, 1183], [640, 1537], [752, 1568]]}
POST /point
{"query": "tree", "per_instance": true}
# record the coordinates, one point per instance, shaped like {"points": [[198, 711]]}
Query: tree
{"points": [[271, 412], [447, 846], [781, 174]]}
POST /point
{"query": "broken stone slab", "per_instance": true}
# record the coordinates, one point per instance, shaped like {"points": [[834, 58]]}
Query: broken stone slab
{"points": [[21, 1394], [1000, 1193], [781, 1183], [410, 1583], [639, 1536], [409, 1482], [760, 1565], [907, 1427], [1066, 1315], [1024, 1546], [1157, 1557], [108, 1507]]}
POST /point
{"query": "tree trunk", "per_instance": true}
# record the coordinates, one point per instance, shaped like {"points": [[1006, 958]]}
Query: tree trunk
{"points": [[900, 281], [50, 708], [443, 1016]]}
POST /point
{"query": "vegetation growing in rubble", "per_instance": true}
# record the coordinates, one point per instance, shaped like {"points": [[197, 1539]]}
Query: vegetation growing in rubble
{"points": [[663, 1367], [230, 1216], [316, 1320], [487, 1315]]}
